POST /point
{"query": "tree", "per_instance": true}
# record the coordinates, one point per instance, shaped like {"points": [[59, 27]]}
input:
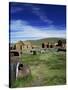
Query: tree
{"points": [[51, 46], [43, 45], [47, 45], [34, 52], [59, 43]]}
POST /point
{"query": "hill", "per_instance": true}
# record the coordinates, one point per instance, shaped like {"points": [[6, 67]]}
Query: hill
{"points": [[45, 40]]}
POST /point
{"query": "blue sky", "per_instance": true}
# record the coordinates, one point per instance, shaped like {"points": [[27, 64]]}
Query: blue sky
{"points": [[36, 21]]}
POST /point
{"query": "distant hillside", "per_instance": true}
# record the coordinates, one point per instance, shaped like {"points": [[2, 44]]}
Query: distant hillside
{"points": [[45, 40]]}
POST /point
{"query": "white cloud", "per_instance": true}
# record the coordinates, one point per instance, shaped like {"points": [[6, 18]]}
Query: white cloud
{"points": [[17, 25], [36, 10], [24, 31]]}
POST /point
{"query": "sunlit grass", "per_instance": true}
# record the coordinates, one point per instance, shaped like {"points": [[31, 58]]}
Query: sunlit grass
{"points": [[46, 69]]}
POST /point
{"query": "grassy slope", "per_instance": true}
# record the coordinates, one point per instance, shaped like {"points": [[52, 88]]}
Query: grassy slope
{"points": [[52, 40], [46, 69]]}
